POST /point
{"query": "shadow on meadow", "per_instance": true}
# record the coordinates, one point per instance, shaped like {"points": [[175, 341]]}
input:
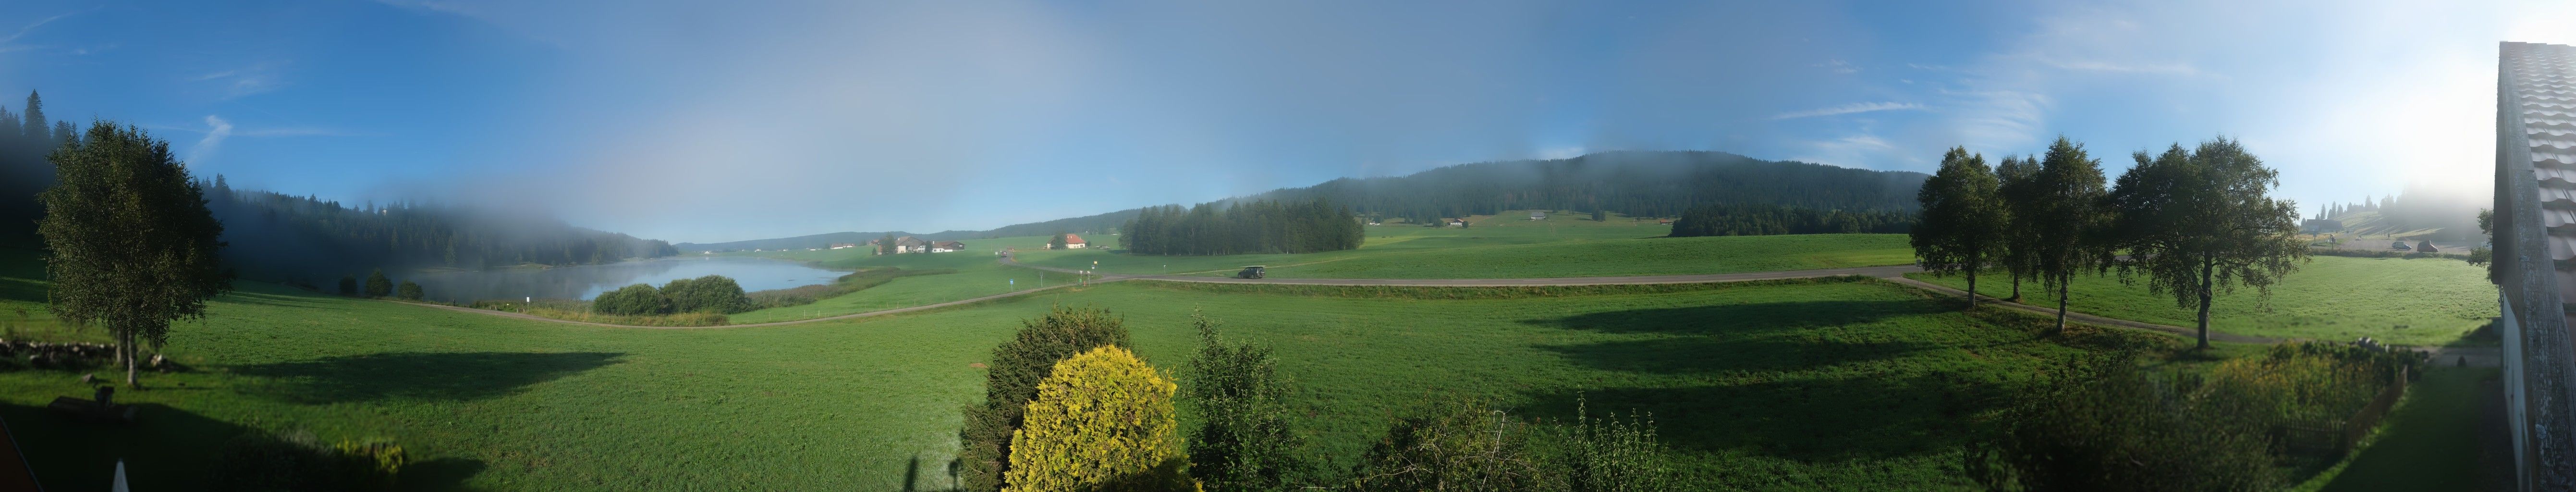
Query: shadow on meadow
{"points": [[417, 375], [1811, 420], [1770, 336], [165, 448], [304, 301]]}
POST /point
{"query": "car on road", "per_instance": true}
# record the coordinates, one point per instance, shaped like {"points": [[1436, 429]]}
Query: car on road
{"points": [[2401, 245], [1254, 271]]}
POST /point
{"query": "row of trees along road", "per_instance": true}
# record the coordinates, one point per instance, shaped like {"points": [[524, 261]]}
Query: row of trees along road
{"points": [[2193, 222]]}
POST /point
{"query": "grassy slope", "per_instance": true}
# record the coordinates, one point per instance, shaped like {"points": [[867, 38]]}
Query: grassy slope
{"points": [[2410, 302], [1824, 385], [978, 274], [1525, 250]]}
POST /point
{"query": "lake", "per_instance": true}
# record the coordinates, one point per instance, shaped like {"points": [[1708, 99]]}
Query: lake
{"points": [[587, 281]]}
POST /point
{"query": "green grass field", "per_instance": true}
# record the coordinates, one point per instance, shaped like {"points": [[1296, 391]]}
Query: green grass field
{"points": [[2429, 442], [2430, 301], [1799, 385]]}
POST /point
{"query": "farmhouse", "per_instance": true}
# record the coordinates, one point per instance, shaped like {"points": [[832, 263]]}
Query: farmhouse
{"points": [[1457, 223], [844, 245], [906, 244], [1073, 241], [947, 246], [1537, 215]]}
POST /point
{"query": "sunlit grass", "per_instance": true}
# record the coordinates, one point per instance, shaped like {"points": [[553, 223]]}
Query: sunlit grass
{"points": [[2426, 301]]}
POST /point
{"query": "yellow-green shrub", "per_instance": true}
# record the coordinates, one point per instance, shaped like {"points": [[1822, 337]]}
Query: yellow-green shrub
{"points": [[1102, 421]]}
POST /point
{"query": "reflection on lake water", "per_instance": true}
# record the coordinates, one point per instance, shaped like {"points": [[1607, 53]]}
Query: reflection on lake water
{"points": [[587, 281]]}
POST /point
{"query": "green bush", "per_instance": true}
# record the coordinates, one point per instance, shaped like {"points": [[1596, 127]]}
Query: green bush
{"points": [[2108, 425], [632, 300], [260, 462], [1460, 445], [1102, 420], [1612, 454], [378, 285], [1011, 381], [408, 291], [348, 285], [1244, 441], [709, 294]]}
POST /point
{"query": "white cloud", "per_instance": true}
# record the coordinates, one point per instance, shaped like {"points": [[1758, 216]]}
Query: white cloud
{"points": [[254, 79], [1862, 107], [217, 131]]}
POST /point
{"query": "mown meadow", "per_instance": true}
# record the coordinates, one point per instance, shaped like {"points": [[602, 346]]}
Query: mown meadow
{"points": [[2422, 301], [1835, 384], [1526, 251]]}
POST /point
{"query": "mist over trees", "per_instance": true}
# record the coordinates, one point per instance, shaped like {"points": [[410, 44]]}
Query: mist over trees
{"points": [[1243, 228], [1636, 184], [25, 137], [277, 236], [1761, 220]]}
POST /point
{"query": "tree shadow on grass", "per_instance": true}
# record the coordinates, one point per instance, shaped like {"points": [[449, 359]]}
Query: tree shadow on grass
{"points": [[417, 375], [1743, 318], [291, 301], [1812, 421], [164, 449], [1770, 336]]}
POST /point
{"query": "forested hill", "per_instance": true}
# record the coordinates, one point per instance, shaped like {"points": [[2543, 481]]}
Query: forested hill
{"points": [[25, 136], [1646, 184], [275, 236]]}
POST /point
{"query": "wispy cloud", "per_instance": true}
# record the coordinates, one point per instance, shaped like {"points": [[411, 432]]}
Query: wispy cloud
{"points": [[1862, 107], [1838, 66], [8, 43], [217, 131], [238, 82], [2183, 69]]}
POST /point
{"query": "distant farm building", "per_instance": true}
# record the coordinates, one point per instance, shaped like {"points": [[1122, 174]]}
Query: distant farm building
{"points": [[906, 244], [1457, 223], [1073, 241], [844, 245], [947, 246], [1537, 215]]}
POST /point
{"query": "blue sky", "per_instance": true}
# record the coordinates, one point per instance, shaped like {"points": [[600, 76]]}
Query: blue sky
{"points": [[723, 121]]}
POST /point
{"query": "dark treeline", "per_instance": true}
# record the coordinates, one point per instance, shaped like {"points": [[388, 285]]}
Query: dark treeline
{"points": [[1638, 184], [276, 236], [1242, 228], [26, 135], [1760, 220]]}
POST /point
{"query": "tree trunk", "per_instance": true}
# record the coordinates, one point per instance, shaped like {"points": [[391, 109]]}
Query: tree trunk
{"points": [[2016, 289], [2207, 267], [1972, 286], [2062, 284], [130, 355]]}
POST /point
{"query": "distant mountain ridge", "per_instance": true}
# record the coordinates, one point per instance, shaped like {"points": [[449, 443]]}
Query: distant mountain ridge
{"points": [[1634, 183]]}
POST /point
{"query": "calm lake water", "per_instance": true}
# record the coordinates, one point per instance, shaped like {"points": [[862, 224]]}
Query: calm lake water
{"points": [[587, 281]]}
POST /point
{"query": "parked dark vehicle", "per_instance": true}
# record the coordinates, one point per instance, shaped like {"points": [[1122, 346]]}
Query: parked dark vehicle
{"points": [[1254, 271], [2401, 245]]}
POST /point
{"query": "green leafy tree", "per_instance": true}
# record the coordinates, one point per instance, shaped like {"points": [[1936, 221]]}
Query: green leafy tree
{"points": [[408, 291], [2197, 222], [1011, 381], [133, 246], [2484, 255], [378, 285], [2017, 180], [1962, 226], [1057, 242], [1460, 445], [2068, 199], [1244, 441], [348, 285], [886, 246], [1102, 420]]}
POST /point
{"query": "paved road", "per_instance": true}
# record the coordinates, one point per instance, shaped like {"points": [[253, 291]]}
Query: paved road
{"points": [[1877, 271]]}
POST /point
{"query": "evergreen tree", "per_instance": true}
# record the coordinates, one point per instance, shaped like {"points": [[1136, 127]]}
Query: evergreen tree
{"points": [[1243, 228], [1244, 441], [1012, 380], [408, 291], [348, 285], [132, 244], [1599, 215], [37, 131], [1962, 226]]}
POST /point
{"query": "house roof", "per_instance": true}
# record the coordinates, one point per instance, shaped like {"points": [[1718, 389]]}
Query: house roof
{"points": [[2538, 118], [1073, 239], [947, 244]]}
